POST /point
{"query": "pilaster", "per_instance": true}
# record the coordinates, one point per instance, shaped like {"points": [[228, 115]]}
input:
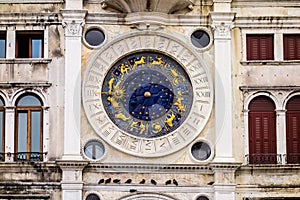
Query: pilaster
{"points": [[222, 23], [224, 180], [71, 183], [281, 134], [72, 21], [9, 132]]}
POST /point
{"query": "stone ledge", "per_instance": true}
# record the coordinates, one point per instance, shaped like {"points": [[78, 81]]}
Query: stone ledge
{"points": [[153, 168]]}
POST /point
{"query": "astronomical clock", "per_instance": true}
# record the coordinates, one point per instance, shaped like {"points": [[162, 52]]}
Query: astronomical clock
{"points": [[147, 94]]}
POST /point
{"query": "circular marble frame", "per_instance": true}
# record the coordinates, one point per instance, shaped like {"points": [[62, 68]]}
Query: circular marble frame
{"points": [[209, 33], [138, 42], [94, 140], [86, 42], [212, 151]]}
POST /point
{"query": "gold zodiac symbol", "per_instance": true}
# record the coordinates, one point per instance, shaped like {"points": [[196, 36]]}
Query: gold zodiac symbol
{"points": [[113, 102], [156, 127], [158, 61], [170, 119], [140, 62], [110, 84], [134, 125], [124, 69], [176, 77], [122, 117], [178, 103]]}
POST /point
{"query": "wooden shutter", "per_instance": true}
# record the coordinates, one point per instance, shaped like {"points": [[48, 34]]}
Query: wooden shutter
{"points": [[291, 44], [293, 130], [262, 131], [260, 47]]}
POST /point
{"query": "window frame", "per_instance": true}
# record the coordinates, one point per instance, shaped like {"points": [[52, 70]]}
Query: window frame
{"points": [[264, 42], [28, 110], [3, 36], [261, 114], [2, 109], [286, 48], [30, 35], [292, 111]]}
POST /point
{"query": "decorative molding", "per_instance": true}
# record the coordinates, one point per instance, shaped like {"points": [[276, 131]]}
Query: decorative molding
{"points": [[265, 3], [149, 168], [73, 21], [269, 62], [25, 61], [33, 1], [153, 18], [222, 23], [266, 22], [67, 165], [164, 6], [266, 88], [33, 18]]}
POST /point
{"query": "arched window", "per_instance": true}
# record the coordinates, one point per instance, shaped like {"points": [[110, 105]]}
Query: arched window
{"points": [[2, 130], [262, 131], [293, 130], [29, 129]]}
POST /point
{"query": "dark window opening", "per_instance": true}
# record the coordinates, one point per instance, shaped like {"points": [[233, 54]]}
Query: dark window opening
{"points": [[2, 141], [2, 44], [29, 44]]}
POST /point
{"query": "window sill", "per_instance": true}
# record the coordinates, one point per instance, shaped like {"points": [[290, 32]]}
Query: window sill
{"points": [[33, 1], [269, 62], [25, 61]]}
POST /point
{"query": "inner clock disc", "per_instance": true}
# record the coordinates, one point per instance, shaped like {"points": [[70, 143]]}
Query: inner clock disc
{"points": [[147, 94]]}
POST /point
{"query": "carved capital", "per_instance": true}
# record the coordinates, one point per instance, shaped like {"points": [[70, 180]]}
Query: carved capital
{"points": [[73, 28], [222, 24], [73, 22], [222, 30]]}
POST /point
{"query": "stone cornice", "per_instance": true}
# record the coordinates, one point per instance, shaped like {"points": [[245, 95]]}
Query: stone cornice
{"points": [[29, 166], [225, 166], [149, 168], [265, 3], [25, 85], [25, 61], [39, 18], [33, 1], [267, 22], [164, 6], [264, 88], [147, 18], [71, 165]]}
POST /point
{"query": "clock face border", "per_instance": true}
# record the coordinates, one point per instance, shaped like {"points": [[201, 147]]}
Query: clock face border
{"points": [[172, 47]]}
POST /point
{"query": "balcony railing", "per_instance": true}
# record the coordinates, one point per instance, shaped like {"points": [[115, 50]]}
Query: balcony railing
{"points": [[24, 156], [264, 158], [293, 158]]}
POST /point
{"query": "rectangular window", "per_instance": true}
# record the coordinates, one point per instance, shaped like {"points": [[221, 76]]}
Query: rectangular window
{"points": [[2, 44], [29, 44], [260, 46], [291, 45]]}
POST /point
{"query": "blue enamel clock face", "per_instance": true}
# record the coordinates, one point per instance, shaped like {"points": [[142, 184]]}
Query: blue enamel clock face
{"points": [[147, 94]]}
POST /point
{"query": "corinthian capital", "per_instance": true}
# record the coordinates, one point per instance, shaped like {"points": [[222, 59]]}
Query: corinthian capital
{"points": [[73, 22], [73, 28], [222, 23], [222, 30]]}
